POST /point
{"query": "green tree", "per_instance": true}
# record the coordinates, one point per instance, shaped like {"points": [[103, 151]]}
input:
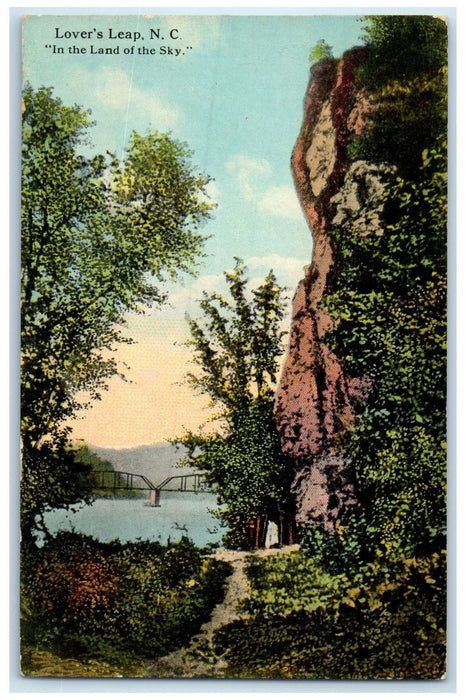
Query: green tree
{"points": [[321, 51], [237, 345], [99, 238]]}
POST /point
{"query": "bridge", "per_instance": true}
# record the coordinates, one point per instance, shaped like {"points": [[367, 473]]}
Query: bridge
{"points": [[127, 481]]}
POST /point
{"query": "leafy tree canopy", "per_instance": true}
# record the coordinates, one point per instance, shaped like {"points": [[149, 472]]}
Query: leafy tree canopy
{"points": [[236, 345], [98, 239], [321, 51]]}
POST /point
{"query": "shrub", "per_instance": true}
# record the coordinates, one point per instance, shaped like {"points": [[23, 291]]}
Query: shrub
{"points": [[377, 625], [109, 602]]}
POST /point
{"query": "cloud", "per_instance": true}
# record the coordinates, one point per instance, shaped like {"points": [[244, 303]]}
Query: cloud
{"points": [[185, 299], [212, 193], [113, 88], [288, 271], [248, 173], [281, 201], [252, 177]]}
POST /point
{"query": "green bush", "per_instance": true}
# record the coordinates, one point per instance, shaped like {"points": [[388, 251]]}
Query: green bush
{"points": [[290, 584], [113, 602], [304, 623]]}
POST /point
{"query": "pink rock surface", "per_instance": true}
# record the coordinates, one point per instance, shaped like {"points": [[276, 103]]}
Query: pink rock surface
{"points": [[315, 399]]}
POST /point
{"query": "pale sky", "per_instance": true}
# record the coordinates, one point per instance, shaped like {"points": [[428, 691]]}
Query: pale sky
{"points": [[234, 93]]}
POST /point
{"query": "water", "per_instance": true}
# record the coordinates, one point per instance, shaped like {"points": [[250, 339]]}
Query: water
{"points": [[132, 519]]}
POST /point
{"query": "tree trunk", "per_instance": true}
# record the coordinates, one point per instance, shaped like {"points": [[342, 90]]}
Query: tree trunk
{"points": [[286, 530], [257, 530]]}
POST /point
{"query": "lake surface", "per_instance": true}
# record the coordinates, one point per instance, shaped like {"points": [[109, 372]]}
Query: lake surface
{"points": [[132, 519]]}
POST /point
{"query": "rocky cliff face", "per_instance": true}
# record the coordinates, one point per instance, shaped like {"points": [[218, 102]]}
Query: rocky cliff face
{"points": [[315, 400]]}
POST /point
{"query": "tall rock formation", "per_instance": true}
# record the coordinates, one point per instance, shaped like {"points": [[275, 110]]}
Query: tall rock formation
{"points": [[316, 400]]}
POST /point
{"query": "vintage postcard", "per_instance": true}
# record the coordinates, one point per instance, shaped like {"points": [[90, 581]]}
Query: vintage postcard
{"points": [[233, 346]]}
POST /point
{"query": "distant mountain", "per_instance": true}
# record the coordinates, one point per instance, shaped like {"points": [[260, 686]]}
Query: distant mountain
{"points": [[156, 462]]}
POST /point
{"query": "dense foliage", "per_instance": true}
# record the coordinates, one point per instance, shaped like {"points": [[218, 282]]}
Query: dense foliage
{"points": [[320, 51], [405, 78], [403, 47], [391, 302], [303, 622], [98, 238], [236, 346], [390, 298], [114, 603]]}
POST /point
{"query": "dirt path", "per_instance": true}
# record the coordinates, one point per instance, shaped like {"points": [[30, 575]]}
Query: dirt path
{"points": [[198, 660]]}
